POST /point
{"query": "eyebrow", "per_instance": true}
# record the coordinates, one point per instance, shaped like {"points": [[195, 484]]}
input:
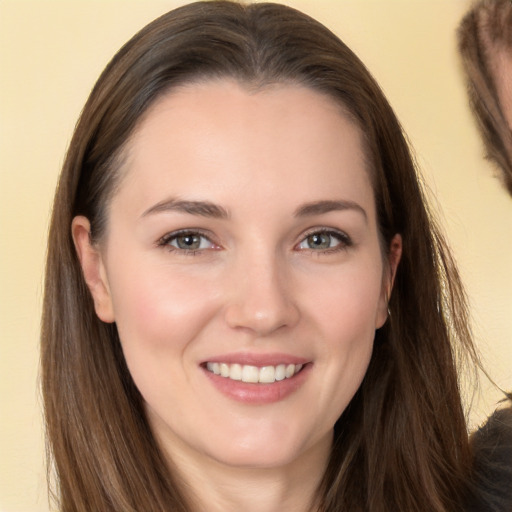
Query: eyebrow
{"points": [[201, 208], [208, 209], [321, 207]]}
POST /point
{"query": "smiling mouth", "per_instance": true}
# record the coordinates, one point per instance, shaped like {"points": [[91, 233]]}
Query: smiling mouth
{"points": [[254, 374]]}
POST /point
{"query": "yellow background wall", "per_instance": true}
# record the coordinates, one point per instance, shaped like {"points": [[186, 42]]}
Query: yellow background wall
{"points": [[51, 52]]}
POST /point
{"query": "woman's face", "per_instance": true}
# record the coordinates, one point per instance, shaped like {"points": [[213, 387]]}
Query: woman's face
{"points": [[242, 267]]}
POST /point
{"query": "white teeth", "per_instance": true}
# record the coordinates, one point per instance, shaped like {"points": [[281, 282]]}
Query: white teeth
{"points": [[250, 374], [224, 369], [214, 368], [267, 374], [280, 372], [235, 372], [254, 374]]}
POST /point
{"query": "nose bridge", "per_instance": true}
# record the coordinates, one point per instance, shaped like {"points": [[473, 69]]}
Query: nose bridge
{"points": [[261, 299]]}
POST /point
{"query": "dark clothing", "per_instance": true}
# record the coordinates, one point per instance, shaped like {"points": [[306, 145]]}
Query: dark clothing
{"points": [[492, 449]]}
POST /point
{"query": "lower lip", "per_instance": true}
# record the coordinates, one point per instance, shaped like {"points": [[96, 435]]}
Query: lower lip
{"points": [[258, 393]]}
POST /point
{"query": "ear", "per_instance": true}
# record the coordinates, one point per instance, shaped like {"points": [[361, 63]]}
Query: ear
{"points": [[393, 259], [93, 268]]}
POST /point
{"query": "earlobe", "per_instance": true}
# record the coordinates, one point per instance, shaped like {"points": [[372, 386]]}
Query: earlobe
{"points": [[394, 256], [93, 268]]}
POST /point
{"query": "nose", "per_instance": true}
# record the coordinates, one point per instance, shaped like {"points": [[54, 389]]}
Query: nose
{"points": [[261, 298]]}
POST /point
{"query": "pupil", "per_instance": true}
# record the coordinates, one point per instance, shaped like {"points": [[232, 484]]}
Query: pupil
{"points": [[188, 242], [319, 241]]}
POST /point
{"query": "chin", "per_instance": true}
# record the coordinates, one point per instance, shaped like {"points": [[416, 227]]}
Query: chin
{"points": [[255, 458], [260, 451]]}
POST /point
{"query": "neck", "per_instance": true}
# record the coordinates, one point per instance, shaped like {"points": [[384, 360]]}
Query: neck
{"points": [[218, 487]]}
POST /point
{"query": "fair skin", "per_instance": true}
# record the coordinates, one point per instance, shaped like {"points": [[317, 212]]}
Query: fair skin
{"points": [[243, 236]]}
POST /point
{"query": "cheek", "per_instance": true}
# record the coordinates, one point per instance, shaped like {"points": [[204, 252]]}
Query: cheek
{"points": [[348, 302], [347, 313], [159, 316], [350, 332], [157, 307]]}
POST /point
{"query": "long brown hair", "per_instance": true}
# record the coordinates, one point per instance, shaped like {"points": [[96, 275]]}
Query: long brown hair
{"points": [[402, 442], [485, 30]]}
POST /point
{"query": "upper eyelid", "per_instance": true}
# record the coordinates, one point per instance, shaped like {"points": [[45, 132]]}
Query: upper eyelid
{"points": [[165, 239], [329, 230], [345, 241], [186, 231]]}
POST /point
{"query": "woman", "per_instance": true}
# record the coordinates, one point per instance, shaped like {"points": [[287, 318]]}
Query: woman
{"points": [[247, 302]]}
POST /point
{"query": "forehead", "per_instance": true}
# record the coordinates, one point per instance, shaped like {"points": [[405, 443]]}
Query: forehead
{"points": [[241, 102], [222, 135]]}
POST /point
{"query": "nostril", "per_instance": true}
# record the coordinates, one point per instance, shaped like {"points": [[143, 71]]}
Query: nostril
{"points": [[259, 320]]}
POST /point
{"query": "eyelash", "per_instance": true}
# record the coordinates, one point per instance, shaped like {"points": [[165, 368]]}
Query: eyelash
{"points": [[167, 240], [344, 242]]}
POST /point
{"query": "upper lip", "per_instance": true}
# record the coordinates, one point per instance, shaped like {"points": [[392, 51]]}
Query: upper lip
{"points": [[254, 359]]}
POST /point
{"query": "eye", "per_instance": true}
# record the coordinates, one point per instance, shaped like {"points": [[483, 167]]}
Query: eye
{"points": [[325, 241], [187, 241]]}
